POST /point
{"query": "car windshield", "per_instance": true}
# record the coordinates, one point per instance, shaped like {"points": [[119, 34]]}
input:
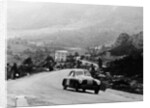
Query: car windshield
{"points": [[87, 73], [78, 73]]}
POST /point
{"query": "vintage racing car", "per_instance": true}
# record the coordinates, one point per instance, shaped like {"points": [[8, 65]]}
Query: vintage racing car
{"points": [[81, 79]]}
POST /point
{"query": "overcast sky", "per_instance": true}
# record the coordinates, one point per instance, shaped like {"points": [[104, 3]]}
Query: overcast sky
{"points": [[37, 17]]}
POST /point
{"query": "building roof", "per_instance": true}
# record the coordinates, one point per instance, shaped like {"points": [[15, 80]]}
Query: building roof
{"points": [[62, 51]]}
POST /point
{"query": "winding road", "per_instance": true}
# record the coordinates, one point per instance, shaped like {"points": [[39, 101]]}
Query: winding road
{"points": [[45, 89]]}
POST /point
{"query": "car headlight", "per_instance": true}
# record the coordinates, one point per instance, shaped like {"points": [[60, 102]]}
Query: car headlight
{"points": [[98, 82]]}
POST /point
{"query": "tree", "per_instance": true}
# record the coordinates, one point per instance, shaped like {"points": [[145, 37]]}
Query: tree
{"points": [[49, 62], [28, 64], [49, 59], [76, 54], [28, 61], [131, 65]]}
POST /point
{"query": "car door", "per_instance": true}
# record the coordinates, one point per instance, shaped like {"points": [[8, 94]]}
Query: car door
{"points": [[71, 78]]}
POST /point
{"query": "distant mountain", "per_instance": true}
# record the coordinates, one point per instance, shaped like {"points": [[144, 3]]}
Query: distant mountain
{"points": [[73, 25], [84, 37]]}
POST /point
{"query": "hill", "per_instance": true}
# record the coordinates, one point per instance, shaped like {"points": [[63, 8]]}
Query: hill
{"points": [[71, 24], [126, 44]]}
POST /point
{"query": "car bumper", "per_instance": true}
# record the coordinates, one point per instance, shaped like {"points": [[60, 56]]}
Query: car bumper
{"points": [[90, 87]]}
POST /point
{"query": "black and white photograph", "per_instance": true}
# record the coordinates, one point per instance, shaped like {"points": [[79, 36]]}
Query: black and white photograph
{"points": [[67, 53]]}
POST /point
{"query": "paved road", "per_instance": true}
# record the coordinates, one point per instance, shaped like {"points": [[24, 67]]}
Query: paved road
{"points": [[46, 89]]}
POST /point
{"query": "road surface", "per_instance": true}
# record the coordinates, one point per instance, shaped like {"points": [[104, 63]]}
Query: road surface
{"points": [[45, 89]]}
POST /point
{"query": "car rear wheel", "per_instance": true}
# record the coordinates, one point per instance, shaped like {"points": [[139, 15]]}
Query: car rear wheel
{"points": [[84, 90], [96, 91]]}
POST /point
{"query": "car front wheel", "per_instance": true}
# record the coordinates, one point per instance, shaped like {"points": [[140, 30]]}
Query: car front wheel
{"points": [[64, 84], [65, 87], [76, 86]]}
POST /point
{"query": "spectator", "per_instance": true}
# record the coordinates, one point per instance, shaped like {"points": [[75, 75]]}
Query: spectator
{"points": [[79, 64], [100, 62], [14, 71], [50, 66], [92, 70], [8, 76]]}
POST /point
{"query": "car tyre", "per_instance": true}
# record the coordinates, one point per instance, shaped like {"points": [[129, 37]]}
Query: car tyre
{"points": [[84, 90], [96, 91]]}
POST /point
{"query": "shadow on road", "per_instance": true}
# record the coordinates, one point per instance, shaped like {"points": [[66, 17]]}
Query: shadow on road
{"points": [[80, 91]]}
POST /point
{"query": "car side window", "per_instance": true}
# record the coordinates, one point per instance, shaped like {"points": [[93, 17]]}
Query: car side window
{"points": [[71, 73], [86, 73]]}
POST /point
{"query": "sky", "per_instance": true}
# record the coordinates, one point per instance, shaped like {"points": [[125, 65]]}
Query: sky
{"points": [[26, 18]]}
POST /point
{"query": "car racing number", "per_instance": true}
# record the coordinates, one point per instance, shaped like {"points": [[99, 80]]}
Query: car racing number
{"points": [[67, 82]]}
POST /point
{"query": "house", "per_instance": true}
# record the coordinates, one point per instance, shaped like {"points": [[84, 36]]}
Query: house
{"points": [[61, 55]]}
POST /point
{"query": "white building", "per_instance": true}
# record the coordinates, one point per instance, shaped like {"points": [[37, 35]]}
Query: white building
{"points": [[61, 55]]}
